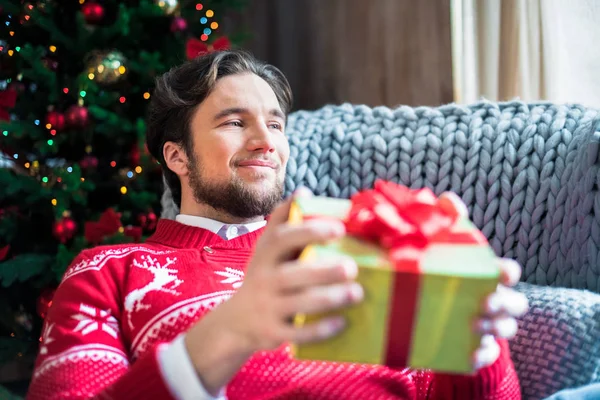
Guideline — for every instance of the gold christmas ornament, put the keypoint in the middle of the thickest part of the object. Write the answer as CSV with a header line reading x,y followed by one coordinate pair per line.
x,y
168,6
106,67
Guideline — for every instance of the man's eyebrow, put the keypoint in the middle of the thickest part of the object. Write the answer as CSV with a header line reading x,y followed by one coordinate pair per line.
x,y
237,110
277,113
229,111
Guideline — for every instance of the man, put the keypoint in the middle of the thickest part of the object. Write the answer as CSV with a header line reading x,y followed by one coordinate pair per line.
x,y
171,318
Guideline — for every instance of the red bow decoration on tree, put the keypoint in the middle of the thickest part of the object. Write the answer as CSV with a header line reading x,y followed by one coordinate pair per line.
x,y
134,232
8,99
195,47
400,219
108,224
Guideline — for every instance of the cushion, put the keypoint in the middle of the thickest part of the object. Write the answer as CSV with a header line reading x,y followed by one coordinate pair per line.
x,y
558,343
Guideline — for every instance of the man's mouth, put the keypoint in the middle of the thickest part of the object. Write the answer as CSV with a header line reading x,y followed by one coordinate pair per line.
x,y
258,163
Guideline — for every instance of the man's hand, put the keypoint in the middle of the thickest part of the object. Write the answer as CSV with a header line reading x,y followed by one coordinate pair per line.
x,y
500,309
499,313
276,287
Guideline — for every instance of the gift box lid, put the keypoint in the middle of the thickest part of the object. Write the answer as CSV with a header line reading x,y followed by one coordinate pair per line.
x,y
450,256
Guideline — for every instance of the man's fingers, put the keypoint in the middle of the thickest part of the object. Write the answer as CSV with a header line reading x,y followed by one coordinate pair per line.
x,y
322,299
487,353
317,331
510,272
504,327
286,240
296,275
281,213
505,301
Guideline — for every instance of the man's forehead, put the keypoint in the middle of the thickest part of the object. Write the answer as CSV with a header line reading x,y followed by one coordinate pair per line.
x,y
247,92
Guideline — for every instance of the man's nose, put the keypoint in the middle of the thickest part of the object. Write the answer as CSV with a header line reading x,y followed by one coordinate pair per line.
x,y
261,140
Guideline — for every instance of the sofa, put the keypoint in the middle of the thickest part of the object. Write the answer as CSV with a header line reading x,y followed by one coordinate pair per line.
x,y
530,176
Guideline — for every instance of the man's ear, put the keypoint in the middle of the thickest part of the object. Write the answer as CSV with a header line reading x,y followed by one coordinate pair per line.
x,y
176,158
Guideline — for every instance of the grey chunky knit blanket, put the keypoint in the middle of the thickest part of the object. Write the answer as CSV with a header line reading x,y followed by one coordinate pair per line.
x,y
530,176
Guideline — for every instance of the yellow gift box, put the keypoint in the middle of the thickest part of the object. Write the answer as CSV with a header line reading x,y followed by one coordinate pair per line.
x,y
425,271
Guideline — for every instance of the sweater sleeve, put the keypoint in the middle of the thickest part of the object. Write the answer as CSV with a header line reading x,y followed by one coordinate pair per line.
x,y
82,352
498,381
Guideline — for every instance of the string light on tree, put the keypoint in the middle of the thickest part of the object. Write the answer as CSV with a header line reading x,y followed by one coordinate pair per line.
x,y
178,24
168,6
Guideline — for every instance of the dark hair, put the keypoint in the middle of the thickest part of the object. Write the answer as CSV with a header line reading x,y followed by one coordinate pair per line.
x,y
179,91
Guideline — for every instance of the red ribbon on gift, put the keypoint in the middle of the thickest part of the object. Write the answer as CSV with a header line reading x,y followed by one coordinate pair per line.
x,y
405,222
397,217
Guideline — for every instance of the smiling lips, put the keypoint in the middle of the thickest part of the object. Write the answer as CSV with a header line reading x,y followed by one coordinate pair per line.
x,y
258,163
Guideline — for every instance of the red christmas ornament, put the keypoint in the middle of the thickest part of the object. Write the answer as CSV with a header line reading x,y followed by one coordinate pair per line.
x,y
77,116
8,99
88,162
4,252
178,24
44,302
148,221
18,87
64,229
136,154
92,12
56,119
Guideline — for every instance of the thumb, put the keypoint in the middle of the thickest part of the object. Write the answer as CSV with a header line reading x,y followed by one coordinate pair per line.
x,y
281,213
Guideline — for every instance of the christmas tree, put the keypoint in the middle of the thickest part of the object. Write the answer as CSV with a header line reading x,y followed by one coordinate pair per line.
x,y
75,81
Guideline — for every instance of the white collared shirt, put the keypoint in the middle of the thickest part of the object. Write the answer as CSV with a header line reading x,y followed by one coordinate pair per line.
x,y
215,226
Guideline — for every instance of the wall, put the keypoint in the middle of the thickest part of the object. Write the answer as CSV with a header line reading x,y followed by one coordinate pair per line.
x,y
376,52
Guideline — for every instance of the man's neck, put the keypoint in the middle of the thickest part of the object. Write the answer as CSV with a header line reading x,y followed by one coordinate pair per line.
x,y
206,211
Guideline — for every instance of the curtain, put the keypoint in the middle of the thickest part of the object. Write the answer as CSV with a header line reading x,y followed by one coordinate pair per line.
x,y
526,49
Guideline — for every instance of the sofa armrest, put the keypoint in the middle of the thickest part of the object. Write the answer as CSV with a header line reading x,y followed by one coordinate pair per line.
x,y
558,343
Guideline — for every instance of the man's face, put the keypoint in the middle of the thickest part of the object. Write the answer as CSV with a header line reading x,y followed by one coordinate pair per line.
x,y
239,148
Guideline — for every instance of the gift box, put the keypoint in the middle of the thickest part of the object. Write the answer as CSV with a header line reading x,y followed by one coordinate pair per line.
x,y
425,270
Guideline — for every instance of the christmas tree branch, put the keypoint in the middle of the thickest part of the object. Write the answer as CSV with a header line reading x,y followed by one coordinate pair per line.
x,y
55,34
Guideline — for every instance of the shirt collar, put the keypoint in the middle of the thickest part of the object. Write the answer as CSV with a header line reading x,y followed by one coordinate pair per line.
x,y
213,225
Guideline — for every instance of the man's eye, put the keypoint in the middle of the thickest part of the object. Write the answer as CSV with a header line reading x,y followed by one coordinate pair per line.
x,y
234,123
276,126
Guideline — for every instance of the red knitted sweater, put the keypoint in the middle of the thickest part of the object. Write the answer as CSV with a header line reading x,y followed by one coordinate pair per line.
x,y
117,304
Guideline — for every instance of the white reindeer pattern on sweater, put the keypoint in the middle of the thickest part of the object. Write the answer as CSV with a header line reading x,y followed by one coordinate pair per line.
x,y
165,280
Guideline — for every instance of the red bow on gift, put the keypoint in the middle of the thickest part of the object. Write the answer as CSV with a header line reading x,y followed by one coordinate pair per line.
x,y
108,224
398,218
8,99
195,47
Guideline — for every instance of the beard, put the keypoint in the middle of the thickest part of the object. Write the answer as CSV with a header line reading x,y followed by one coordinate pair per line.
x,y
234,197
